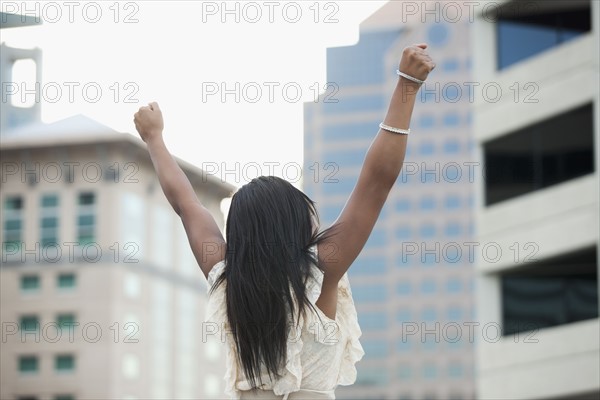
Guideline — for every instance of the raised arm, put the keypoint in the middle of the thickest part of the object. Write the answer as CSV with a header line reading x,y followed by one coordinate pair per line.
x,y
204,236
380,170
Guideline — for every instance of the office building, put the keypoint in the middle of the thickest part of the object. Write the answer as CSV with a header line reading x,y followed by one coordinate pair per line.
x,y
101,297
412,283
537,199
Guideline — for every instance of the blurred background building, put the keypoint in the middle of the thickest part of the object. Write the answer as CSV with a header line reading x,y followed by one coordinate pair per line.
x,y
411,271
521,127
538,200
12,115
100,295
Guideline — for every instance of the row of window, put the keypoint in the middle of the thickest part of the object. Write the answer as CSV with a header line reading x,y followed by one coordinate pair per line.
x,y
452,229
446,255
13,215
32,282
453,370
31,322
30,364
55,397
450,202
355,157
379,320
428,286
430,230
365,103
383,376
452,285
428,202
450,146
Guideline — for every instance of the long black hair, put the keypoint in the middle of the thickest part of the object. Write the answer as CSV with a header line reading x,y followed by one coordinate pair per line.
x,y
270,228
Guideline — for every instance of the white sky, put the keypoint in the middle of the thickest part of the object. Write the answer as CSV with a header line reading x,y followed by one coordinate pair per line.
x,y
170,51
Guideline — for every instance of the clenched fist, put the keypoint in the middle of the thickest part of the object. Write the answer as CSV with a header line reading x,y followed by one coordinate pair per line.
x,y
149,121
416,62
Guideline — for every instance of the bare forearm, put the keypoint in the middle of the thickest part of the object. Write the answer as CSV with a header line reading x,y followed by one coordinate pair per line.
x,y
173,181
385,157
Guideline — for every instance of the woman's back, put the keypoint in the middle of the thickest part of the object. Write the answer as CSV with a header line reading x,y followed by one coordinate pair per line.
x,y
321,352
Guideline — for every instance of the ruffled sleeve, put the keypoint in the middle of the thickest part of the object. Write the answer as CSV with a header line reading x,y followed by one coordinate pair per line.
x,y
216,313
353,351
347,320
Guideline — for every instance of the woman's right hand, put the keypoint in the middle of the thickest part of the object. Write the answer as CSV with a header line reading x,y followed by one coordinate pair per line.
x,y
149,122
416,62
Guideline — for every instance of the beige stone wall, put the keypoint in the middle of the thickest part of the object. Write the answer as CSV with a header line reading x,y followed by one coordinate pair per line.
x,y
159,290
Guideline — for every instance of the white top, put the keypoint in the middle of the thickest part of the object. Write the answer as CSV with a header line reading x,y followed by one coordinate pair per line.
x,y
320,353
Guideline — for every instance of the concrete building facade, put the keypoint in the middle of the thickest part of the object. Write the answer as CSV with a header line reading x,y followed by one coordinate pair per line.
x,y
100,294
537,199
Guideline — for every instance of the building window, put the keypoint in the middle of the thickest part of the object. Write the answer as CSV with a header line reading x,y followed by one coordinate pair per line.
x,y
403,205
404,316
453,229
454,285
373,320
404,372
551,292
451,146
49,219
452,202
66,280
30,283
64,397
454,313
426,148
455,370
427,230
429,342
539,155
403,232
429,371
28,364
404,288
426,122
30,323
428,286
404,344
428,314
13,222
65,321
427,203
86,218
370,293
64,363
372,376
523,32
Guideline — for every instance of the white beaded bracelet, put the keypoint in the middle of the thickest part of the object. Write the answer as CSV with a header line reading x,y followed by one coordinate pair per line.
x,y
394,130
410,78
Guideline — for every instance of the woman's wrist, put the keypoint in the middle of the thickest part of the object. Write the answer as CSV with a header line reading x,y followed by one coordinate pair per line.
x,y
407,87
155,138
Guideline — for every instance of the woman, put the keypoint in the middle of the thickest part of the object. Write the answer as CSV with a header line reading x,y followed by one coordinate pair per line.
x,y
276,284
